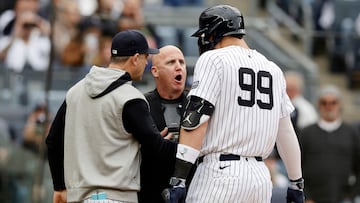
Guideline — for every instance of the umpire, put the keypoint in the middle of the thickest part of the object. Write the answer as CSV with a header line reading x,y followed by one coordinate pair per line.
x,y
94,141
167,102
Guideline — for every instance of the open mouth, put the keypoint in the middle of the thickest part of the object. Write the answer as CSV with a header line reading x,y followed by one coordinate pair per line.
x,y
178,77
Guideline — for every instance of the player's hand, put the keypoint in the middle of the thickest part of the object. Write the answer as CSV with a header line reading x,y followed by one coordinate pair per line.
x,y
295,192
176,192
295,196
59,196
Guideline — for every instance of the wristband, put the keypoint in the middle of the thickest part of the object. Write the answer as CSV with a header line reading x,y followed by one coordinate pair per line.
x,y
187,153
297,184
182,169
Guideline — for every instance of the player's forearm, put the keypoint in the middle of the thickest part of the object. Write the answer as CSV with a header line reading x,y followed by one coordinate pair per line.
x,y
188,150
193,138
144,130
289,149
291,157
55,146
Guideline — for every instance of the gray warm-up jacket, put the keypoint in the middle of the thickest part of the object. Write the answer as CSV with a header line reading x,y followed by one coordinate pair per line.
x,y
98,132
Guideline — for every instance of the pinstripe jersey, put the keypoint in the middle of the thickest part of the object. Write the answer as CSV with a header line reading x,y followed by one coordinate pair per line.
x,y
248,92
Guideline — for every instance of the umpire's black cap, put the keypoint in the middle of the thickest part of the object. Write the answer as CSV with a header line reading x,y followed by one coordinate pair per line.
x,y
130,42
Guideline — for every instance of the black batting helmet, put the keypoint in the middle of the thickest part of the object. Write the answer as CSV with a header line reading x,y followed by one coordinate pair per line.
x,y
217,22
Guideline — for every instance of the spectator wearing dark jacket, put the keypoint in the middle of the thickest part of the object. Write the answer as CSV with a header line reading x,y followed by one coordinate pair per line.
x,y
330,153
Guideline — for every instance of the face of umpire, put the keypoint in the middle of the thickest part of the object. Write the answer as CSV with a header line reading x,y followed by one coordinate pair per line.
x,y
169,71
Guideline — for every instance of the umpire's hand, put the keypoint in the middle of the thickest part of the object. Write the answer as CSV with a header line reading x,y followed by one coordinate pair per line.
x,y
176,192
295,192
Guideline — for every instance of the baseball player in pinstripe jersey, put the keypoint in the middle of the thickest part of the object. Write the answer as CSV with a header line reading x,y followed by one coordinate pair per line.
x,y
237,110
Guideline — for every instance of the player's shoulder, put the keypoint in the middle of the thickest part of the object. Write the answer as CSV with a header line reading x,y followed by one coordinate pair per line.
x,y
216,55
265,62
210,54
271,64
261,56
208,57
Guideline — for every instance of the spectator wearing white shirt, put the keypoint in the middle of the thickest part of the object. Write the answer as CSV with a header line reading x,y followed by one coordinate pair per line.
x,y
24,38
305,111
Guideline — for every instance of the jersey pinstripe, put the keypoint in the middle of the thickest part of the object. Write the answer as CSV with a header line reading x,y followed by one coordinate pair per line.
x,y
244,181
248,92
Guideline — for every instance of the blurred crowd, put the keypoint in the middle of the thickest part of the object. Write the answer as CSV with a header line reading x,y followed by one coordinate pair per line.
x,y
77,38
60,35
326,139
333,27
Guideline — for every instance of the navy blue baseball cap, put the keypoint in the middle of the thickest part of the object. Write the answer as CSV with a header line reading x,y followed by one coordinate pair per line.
x,y
130,42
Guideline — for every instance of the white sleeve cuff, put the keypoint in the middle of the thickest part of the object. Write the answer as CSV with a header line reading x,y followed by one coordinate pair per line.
x,y
187,153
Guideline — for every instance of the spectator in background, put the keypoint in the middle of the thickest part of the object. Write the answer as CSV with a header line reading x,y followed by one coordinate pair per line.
x,y
5,130
123,16
304,113
74,52
132,18
170,34
319,8
66,27
24,44
8,16
114,17
37,125
330,153
5,151
131,15
79,52
102,57
166,108
109,12
91,30
24,38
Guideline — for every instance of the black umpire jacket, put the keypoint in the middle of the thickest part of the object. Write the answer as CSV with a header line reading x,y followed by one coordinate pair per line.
x,y
156,171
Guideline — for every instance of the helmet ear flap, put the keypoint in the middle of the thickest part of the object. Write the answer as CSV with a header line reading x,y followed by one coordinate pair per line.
x,y
204,43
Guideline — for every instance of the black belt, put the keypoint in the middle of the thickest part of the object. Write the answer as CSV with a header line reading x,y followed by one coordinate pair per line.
x,y
229,157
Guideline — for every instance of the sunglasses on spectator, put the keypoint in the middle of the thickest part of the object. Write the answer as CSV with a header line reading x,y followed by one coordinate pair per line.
x,y
328,102
29,25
